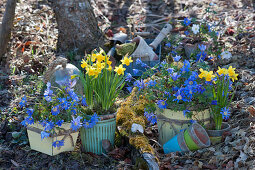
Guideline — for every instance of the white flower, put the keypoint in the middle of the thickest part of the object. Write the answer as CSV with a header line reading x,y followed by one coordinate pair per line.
x,y
226,55
195,28
136,127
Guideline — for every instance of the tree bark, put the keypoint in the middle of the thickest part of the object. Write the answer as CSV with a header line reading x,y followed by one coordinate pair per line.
x,y
6,28
77,25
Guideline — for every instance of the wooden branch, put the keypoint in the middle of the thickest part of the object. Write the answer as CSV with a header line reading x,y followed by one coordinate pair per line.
x,y
6,28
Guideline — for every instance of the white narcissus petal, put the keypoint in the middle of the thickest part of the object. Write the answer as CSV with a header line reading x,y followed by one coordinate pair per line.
x,y
136,127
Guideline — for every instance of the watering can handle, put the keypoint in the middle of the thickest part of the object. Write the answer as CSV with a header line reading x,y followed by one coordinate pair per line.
x,y
163,33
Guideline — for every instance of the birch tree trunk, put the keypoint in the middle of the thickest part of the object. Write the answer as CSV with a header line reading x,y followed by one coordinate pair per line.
x,y
77,25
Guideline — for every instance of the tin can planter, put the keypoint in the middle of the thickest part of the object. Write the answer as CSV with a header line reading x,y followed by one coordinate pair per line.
x,y
92,138
177,143
45,145
196,137
170,122
216,135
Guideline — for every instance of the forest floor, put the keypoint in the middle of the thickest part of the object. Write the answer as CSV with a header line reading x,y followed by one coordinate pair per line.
x,y
32,48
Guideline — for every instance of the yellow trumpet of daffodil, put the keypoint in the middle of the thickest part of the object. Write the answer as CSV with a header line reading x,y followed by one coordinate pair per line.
x,y
202,74
109,68
126,60
100,57
84,63
221,71
120,70
90,71
209,76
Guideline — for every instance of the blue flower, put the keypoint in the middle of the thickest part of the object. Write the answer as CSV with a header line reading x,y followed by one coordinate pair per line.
x,y
209,27
94,119
186,33
185,111
138,61
194,75
74,111
128,77
44,135
129,89
189,91
162,104
135,71
202,47
185,67
164,62
214,102
28,121
177,58
179,96
201,56
140,84
186,63
48,98
43,123
49,126
152,83
55,110
59,122
174,52
84,102
200,88
48,93
87,124
168,44
170,70
73,95
144,65
186,21
175,88
193,121
175,76
190,81
225,113
76,123
58,143
23,102
30,112
167,94
152,118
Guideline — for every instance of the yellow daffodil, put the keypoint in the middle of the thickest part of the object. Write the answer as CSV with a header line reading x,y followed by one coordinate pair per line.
x,y
84,63
202,73
209,76
234,77
91,71
231,71
221,71
100,57
120,70
126,60
109,62
93,57
109,68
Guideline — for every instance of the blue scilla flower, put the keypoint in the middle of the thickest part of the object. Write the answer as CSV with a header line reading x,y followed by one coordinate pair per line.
x,y
129,89
87,124
55,110
30,111
179,96
185,112
202,47
201,56
138,61
136,71
175,76
162,104
27,121
58,143
49,126
152,83
44,135
59,123
84,101
225,113
76,123
177,58
168,44
140,84
170,70
23,102
186,33
128,77
186,21
214,102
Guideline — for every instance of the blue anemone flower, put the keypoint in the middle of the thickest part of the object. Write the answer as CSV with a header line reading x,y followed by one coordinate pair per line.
x,y
175,76
209,27
129,89
44,135
200,88
23,102
152,118
84,101
30,111
135,71
186,33
214,102
225,113
201,56
152,83
179,96
162,104
28,121
87,124
168,44
94,119
190,81
49,126
186,21
59,123
202,47
167,94
140,84
185,112
177,58
55,110
76,123
170,70
58,143
138,61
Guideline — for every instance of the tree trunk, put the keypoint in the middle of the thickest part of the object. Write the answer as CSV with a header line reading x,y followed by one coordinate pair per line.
x,y
77,25
6,28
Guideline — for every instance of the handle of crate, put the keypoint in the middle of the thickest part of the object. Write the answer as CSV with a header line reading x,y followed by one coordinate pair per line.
x,y
163,33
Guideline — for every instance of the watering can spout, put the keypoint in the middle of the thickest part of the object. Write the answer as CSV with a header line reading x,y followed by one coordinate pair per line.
x,y
163,33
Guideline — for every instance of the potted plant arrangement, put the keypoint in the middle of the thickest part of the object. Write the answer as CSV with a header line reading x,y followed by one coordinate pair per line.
x,y
177,95
102,84
220,101
53,122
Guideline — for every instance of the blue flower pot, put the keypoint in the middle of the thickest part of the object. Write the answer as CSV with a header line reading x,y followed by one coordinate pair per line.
x,y
177,143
